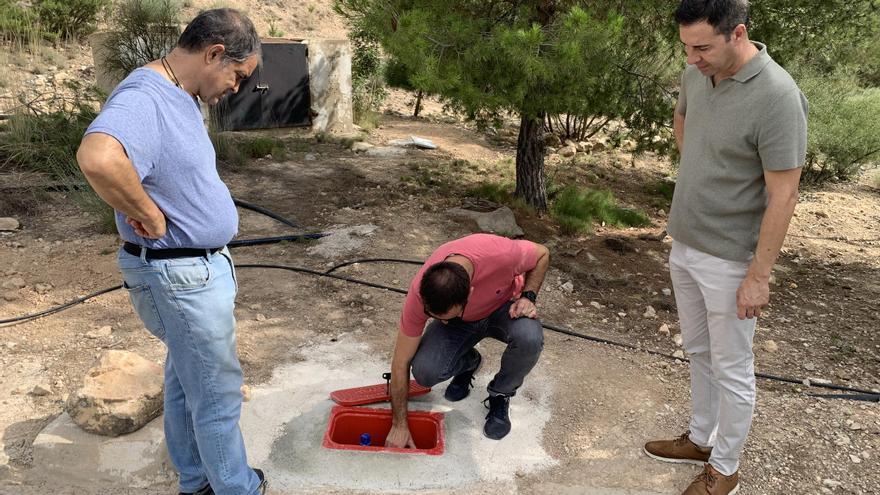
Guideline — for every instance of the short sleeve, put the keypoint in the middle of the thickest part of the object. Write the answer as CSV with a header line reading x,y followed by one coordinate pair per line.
x,y
130,117
681,106
413,317
526,256
782,135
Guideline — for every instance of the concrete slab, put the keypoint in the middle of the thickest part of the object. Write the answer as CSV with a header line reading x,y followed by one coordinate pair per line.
x,y
65,452
285,421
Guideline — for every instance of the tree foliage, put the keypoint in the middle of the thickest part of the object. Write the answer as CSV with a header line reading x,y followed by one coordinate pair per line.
x,y
143,31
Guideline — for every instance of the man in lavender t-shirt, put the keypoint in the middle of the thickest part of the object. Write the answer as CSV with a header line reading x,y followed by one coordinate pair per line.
x,y
149,156
475,287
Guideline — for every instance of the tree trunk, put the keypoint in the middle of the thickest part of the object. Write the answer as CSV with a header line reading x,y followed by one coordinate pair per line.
x,y
418,104
530,163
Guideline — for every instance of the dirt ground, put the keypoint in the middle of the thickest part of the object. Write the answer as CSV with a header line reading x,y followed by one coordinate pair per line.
x,y
823,317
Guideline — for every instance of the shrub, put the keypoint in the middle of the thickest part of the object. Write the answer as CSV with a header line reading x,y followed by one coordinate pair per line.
x,y
18,24
69,19
258,147
576,209
46,142
495,192
844,127
145,30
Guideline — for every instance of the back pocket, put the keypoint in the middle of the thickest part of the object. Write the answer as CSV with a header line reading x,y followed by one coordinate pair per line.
x,y
145,307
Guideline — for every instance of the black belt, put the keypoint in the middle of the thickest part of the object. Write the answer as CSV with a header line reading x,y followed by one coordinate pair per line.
x,y
164,254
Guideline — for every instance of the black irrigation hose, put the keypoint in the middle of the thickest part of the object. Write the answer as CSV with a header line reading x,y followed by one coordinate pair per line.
x,y
274,240
860,394
59,308
373,260
264,211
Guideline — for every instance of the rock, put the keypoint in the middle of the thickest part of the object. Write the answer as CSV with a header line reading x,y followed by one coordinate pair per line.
x,y
500,221
596,305
664,330
810,367
552,140
104,331
14,283
650,312
11,345
568,151
591,258
119,395
41,390
245,393
8,223
666,291
255,307
679,354
367,322
583,146
770,346
855,459
567,287
260,317
10,296
385,151
831,483
310,157
677,339
855,427
43,288
361,146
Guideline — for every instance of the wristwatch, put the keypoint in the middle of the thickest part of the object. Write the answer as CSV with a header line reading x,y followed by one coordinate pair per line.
x,y
530,295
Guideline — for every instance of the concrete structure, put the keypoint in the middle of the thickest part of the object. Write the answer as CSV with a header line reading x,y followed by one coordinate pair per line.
x,y
65,453
330,85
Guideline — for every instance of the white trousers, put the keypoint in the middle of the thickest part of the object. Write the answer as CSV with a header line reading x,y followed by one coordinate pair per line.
x,y
719,346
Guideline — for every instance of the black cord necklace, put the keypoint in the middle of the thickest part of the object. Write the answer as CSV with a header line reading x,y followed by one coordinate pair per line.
x,y
167,66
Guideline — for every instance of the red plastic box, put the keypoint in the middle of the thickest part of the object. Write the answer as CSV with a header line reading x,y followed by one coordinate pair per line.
x,y
347,424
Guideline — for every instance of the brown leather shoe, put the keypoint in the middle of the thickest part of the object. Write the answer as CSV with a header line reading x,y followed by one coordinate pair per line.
x,y
711,482
679,450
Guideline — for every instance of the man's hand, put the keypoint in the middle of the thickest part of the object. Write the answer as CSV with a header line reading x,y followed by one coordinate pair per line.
x,y
154,229
752,295
400,437
523,307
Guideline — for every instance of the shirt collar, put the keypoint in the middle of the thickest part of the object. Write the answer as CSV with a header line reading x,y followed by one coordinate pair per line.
x,y
754,66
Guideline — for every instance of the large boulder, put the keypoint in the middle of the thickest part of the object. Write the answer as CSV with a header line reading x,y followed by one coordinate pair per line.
x,y
498,221
122,393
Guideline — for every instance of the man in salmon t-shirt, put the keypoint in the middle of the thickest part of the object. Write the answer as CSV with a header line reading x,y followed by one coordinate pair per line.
x,y
475,287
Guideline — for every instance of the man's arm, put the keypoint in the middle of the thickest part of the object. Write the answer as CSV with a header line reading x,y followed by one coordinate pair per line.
x,y
111,174
782,194
678,130
404,351
534,278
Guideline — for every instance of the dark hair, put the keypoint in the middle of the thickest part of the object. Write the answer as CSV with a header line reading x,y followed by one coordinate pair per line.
x,y
723,15
227,27
443,286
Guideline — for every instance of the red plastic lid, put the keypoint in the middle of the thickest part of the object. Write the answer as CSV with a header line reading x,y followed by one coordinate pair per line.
x,y
372,394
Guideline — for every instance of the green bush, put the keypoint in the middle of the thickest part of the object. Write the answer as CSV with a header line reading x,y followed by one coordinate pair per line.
x,y
844,127
70,19
144,30
227,150
46,143
576,209
18,24
495,192
258,147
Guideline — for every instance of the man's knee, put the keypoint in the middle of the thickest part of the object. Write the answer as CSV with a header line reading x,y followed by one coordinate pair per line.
x,y
425,371
528,335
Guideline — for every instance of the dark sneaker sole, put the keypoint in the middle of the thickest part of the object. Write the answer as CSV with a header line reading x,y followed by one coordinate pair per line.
x,y
695,462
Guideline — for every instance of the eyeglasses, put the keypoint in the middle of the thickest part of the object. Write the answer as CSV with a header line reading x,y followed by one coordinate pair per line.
x,y
454,319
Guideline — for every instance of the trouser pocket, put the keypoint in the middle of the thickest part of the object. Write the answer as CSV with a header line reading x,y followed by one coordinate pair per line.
x,y
145,306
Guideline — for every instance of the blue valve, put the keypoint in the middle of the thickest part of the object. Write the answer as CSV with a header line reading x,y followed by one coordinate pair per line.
x,y
365,439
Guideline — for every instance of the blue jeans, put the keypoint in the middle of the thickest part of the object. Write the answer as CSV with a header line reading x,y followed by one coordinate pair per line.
x,y
444,349
188,304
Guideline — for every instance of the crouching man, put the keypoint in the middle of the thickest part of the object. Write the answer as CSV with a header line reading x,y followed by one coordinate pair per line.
x,y
475,287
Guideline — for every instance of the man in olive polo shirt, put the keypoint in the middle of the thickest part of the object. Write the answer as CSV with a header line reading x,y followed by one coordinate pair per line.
x,y
741,129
